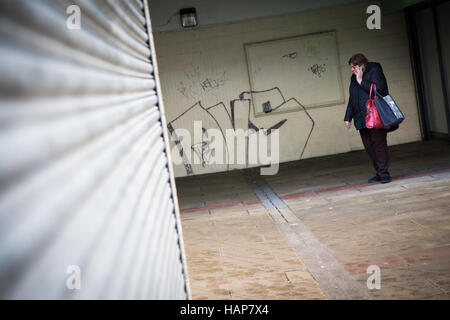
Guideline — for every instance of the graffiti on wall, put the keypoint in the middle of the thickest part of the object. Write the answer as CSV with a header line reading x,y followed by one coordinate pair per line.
x,y
235,115
291,55
194,84
318,69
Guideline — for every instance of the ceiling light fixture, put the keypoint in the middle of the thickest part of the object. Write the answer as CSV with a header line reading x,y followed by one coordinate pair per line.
x,y
188,17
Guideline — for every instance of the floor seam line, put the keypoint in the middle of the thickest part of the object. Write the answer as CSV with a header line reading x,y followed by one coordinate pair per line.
x,y
331,280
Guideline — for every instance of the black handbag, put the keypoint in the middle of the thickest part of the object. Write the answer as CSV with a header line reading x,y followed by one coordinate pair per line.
x,y
389,112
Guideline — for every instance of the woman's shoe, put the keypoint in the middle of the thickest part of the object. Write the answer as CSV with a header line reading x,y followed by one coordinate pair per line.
x,y
385,180
374,179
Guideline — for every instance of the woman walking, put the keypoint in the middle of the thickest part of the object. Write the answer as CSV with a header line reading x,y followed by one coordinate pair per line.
x,y
364,73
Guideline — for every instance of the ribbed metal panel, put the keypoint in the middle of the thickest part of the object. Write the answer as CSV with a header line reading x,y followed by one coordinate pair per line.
x,y
84,174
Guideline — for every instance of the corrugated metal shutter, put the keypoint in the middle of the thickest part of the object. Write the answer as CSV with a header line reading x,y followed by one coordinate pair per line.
x,y
84,175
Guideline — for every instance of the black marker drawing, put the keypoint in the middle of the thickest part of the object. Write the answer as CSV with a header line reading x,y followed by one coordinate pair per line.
x,y
192,72
268,131
188,90
282,102
194,84
202,149
267,107
208,117
209,84
275,126
291,55
252,126
318,69
186,162
210,114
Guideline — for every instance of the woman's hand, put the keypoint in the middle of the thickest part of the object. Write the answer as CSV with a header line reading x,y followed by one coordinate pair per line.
x,y
359,74
348,124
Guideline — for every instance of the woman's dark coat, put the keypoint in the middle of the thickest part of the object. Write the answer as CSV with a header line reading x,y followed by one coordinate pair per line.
x,y
359,94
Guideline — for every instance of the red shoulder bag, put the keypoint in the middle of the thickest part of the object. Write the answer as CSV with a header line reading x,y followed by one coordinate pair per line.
x,y
373,120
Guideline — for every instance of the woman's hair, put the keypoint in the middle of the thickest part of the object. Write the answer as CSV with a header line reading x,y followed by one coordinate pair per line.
x,y
358,59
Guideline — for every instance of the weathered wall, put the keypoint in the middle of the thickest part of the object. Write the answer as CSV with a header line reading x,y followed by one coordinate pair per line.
x,y
209,66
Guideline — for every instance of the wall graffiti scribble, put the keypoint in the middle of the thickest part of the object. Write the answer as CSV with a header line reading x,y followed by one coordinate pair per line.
x,y
209,83
318,69
222,118
187,90
291,55
202,149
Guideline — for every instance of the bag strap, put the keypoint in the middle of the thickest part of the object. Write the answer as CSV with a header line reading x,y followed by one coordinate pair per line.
x,y
375,91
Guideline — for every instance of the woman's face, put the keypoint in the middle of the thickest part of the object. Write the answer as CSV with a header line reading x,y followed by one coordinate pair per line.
x,y
354,68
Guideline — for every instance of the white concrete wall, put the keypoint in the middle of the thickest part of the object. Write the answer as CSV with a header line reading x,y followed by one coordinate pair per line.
x,y
187,59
